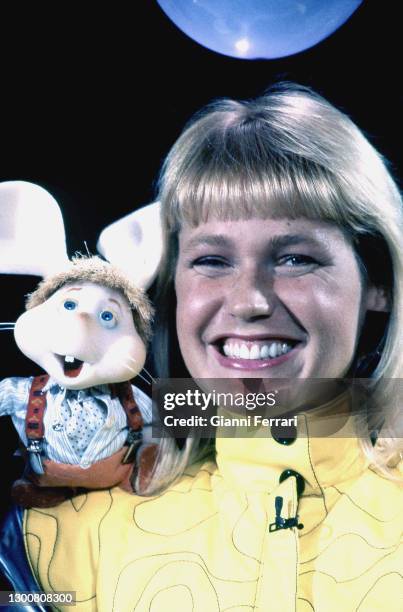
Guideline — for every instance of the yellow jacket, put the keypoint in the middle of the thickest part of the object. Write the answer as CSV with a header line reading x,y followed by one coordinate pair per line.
x,y
205,545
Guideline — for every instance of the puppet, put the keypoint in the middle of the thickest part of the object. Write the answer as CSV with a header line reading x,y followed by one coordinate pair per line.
x,y
87,325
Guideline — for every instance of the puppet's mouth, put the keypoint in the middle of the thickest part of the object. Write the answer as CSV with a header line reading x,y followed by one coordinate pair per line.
x,y
72,366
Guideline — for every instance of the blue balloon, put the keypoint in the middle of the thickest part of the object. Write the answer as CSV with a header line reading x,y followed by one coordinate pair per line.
x,y
252,29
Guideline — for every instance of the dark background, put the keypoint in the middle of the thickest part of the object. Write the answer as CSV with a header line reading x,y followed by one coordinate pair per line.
x,y
93,97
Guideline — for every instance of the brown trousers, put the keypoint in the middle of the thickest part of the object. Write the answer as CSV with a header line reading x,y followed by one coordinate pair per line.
x,y
63,481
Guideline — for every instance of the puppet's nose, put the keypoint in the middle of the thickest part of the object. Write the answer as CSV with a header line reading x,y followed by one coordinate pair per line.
x,y
83,315
86,327
79,331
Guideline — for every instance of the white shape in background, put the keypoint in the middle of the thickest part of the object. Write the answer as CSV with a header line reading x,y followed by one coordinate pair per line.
x,y
32,236
134,244
242,46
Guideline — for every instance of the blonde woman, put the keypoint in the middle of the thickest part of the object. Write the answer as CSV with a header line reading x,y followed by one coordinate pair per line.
x,y
283,236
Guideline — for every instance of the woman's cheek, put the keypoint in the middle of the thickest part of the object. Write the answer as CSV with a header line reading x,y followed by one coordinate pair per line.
x,y
193,309
333,328
194,292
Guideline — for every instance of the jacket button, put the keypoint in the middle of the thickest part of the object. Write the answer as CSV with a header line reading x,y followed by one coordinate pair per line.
x,y
284,435
300,481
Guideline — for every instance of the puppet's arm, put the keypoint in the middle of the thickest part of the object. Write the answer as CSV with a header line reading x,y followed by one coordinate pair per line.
x,y
14,394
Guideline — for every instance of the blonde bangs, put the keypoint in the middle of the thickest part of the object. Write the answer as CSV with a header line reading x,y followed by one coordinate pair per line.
x,y
295,189
240,160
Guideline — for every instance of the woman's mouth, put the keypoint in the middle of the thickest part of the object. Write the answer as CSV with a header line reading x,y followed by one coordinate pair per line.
x,y
253,354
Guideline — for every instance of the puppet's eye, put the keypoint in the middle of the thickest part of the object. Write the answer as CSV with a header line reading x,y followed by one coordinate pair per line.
x,y
70,305
108,319
106,315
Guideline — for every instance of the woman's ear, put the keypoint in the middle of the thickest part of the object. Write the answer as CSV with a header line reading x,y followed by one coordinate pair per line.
x,y
377,299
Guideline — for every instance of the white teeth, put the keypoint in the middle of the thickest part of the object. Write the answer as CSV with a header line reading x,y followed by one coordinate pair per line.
x,y
273,350
264,352
227,351
256,351
69,359
244,352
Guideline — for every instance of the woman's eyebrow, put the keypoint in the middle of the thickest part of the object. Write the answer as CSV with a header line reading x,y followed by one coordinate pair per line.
x,y
277,241
285,240
209,240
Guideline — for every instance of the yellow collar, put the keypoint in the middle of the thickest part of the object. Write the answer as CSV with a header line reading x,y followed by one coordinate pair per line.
x,y
325,452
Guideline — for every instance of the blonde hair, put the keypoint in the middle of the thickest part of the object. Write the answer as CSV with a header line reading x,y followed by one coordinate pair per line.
x,y
288,153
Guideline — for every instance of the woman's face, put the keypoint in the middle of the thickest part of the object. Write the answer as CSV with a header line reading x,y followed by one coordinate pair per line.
x,y
269,298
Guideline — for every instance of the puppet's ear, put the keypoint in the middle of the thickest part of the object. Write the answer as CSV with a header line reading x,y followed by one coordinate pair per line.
x,y
134,244
32,238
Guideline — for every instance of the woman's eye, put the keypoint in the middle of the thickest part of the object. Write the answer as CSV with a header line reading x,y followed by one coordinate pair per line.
x,y
210,261
211,264
297,263
70,304
107,318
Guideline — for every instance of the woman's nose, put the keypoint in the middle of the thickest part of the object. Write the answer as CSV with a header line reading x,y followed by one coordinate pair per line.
x,y
251,297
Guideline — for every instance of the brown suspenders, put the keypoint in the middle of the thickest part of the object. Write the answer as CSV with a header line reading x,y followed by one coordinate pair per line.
x,y
35,431
34,428
124,392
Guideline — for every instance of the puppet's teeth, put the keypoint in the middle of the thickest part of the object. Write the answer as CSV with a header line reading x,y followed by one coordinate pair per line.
x,y
69,359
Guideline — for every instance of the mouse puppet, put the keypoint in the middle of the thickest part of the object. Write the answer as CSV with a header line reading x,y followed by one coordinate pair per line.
x,y
81,422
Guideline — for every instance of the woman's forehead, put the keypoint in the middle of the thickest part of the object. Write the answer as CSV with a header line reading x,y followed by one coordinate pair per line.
x,y
284,229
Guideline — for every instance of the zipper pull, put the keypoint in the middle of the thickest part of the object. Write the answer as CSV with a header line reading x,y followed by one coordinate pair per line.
x,y
280,522
133,441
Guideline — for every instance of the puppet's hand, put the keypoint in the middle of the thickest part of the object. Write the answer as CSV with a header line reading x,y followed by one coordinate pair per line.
x,y
103,474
